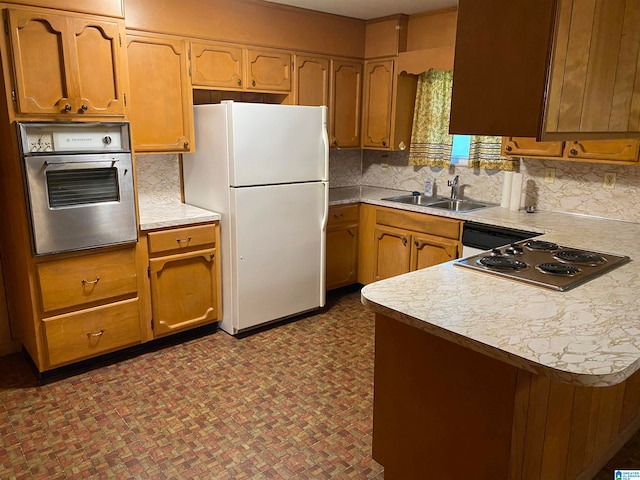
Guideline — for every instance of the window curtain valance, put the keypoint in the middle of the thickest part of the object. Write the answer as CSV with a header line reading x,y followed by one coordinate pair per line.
x,y
431,142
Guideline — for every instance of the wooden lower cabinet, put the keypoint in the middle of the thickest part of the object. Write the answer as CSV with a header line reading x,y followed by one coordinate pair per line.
x,y
405,241
89,306
91,332
184,275
342,246
441,410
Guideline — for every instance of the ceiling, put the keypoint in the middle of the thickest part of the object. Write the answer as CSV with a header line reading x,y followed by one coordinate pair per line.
x,y
368,9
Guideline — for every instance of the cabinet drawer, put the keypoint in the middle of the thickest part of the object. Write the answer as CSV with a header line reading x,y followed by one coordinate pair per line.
x,y
419,222
94,331
82,280
181,238
343,213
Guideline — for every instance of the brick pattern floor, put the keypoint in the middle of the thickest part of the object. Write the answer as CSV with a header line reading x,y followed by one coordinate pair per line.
x,y
291,402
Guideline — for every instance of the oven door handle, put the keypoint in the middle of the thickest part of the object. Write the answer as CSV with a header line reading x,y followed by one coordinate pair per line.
x,y
65,162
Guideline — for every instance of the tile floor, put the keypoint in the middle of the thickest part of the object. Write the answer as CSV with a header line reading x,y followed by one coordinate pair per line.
x,y
291,402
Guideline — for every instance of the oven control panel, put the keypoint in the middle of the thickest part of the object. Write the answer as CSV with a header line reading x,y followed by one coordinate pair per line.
x,y
50,138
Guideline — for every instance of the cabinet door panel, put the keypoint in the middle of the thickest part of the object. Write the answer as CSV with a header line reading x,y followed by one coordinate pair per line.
x,y
427,251
98,49
621,150
312,81
161,100
183,291
216,65
346,81
524,146
342,256
43,84
391,252
269,71
377,104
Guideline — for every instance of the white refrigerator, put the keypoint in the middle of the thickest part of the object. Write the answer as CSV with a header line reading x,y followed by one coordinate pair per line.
x,y
264,168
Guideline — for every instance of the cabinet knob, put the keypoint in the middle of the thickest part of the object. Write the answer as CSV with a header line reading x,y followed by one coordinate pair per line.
x,y
84,108
239,82
404,240
573,151
186,145
253,83
508,148
416,243
384,143
67,107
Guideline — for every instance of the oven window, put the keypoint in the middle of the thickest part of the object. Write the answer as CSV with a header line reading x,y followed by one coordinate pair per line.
x,y
82,186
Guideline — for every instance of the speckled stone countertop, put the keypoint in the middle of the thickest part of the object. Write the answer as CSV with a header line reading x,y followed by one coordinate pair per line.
x,y
589,335
175,214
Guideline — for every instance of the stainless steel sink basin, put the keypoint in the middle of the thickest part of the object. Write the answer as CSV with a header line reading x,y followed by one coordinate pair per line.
x,y
457,205
437,202
422,200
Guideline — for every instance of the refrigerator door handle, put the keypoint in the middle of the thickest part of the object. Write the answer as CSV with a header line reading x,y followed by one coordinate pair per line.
x,y
323,249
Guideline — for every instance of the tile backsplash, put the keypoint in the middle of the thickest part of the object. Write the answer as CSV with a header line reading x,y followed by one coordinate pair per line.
x,y
578,187
158,178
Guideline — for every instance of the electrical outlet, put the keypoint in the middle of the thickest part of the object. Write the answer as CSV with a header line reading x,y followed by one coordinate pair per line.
x,y
609,180
549,175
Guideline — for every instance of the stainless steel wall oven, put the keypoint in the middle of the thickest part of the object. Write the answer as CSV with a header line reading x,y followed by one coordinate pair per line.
x,y
80,187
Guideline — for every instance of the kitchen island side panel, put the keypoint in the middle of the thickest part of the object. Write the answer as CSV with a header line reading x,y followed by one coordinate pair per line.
x,y
444,411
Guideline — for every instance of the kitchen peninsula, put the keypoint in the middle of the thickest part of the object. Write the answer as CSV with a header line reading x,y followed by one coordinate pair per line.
x,y
480,377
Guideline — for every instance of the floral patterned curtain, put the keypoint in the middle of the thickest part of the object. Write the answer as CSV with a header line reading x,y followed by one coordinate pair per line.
x,y
430,139
484,153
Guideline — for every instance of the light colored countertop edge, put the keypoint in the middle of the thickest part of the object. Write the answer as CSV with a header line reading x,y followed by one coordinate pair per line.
x,y
587,336
166,215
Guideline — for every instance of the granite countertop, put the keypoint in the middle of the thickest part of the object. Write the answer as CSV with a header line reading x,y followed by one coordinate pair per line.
x,y
174,214
589,335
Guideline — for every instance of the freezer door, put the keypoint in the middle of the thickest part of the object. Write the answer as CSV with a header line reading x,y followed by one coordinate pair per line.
x,y
272,144
277,264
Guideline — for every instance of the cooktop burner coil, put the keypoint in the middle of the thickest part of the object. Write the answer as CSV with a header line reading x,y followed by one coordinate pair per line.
x,y
503,263
541,245
580,257
558,268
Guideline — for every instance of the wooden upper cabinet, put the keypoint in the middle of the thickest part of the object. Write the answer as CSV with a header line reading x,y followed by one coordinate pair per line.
x,y
346,97
311,81
387,110
529,147
376,115
613,151
269,70
161,103
216,65
66,64
385,37
598,151
549,69
223,66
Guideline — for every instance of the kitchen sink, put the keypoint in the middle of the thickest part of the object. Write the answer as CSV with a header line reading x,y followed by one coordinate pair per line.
x,y
422,200
445,204
457,205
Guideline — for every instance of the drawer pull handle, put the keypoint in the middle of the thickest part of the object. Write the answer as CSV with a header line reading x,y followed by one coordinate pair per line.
x,y
87,282
181,241
95,334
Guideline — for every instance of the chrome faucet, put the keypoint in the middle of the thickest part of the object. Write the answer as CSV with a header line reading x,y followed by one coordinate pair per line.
x,y
455,186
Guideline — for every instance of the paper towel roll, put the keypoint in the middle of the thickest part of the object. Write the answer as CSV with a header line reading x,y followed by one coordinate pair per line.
x,y
516,192
506,190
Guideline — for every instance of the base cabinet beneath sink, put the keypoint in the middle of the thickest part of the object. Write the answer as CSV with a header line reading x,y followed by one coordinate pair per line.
x,y
396,241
